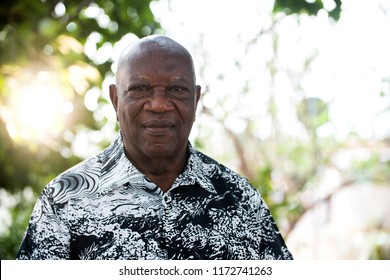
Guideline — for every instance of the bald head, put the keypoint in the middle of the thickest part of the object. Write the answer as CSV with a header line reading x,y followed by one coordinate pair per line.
x,y
153,45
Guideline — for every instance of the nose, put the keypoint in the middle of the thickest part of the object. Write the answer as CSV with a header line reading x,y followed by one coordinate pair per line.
x,y
159,101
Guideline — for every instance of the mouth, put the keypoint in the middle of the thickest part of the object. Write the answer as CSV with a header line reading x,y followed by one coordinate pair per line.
x,y
158,127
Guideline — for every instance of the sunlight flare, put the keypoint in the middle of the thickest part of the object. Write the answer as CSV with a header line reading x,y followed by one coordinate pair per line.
x,y
37,109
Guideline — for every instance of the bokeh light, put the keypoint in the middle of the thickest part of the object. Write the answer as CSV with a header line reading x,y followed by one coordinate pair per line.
x,y
37,107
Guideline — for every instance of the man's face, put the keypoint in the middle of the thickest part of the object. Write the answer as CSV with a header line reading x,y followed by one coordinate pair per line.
x,y
155,102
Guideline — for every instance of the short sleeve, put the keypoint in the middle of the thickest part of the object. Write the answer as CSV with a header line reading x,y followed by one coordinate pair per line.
x,y
47,236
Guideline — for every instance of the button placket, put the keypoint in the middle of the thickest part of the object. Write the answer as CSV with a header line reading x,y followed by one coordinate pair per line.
x,y
169,224
167,199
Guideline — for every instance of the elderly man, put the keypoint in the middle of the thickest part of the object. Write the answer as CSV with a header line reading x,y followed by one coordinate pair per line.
x,y
150,194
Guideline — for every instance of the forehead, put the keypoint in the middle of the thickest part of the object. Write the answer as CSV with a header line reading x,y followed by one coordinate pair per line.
x,y
157,61
158,55
150,54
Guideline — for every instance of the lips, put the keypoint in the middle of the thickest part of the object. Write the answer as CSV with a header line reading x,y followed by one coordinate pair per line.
x,y
158,127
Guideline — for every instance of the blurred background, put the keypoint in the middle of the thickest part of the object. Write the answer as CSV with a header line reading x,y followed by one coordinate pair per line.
x,y
296,97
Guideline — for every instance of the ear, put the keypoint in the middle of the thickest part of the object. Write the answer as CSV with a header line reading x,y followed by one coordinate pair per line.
x,y
197,94
114,98
197,98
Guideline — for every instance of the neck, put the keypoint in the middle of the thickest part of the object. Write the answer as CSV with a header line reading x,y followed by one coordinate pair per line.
x,y
161,171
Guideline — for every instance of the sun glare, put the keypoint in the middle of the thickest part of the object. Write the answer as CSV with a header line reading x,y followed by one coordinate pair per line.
x,y
36,110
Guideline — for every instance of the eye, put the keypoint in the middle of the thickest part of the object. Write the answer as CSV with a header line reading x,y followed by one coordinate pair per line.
x,y
138,91
140,88
177,89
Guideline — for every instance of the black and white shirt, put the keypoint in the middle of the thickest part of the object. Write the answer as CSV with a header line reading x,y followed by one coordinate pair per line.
x,y
104,208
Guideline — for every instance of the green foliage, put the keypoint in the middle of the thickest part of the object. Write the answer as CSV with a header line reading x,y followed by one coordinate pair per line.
x,y
306,7
372,169
19,212
50,35
312,113
381,247
263,182
28,27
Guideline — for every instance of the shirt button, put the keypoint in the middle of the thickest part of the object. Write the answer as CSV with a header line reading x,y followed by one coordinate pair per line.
x,y
167,199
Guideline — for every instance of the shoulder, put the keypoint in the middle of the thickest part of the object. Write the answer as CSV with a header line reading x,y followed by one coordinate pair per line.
x,y
224,177
85,177
74,181
217,169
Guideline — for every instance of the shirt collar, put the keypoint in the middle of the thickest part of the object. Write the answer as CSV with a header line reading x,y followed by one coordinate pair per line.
x,y
194,172
117,169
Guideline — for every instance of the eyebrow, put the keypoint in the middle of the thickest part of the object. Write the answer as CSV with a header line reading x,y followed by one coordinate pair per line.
x,y
137,77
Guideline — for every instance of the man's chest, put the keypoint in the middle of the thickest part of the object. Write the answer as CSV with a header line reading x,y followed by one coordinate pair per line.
x,y
138,225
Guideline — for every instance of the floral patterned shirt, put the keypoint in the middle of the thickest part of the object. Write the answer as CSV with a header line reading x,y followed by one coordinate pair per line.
x,y
104,208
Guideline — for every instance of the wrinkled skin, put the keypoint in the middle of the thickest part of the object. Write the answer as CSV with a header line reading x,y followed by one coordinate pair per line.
x,y
155,99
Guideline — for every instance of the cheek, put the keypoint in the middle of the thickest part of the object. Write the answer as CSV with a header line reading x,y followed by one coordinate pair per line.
x,y
189,115
128,111
188,122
